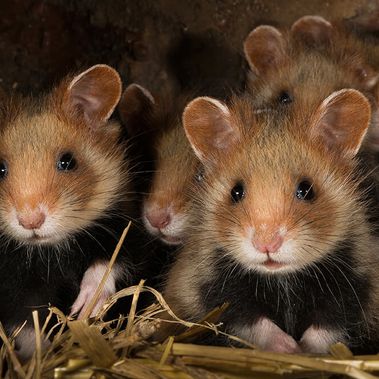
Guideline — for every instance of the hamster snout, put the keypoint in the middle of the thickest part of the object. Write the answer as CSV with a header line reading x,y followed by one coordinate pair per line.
x,y
163,222
31,218
165,219
268,244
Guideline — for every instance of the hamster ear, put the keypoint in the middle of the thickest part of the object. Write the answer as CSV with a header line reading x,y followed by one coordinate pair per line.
x,y
342,121
135,105
208,128
312,30
93,95
264,49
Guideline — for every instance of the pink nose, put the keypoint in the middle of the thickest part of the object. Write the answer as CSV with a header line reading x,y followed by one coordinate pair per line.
x,y
268,247
31,220
158,218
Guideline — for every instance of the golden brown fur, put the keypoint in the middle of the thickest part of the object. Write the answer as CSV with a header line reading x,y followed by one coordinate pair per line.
x,y
174,164
34,133
175,171
312,65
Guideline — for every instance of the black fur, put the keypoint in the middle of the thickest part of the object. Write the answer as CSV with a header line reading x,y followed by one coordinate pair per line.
x,y
331,294
33,278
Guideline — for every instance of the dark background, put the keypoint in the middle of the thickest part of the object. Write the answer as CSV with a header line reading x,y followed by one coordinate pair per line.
x,y
147,41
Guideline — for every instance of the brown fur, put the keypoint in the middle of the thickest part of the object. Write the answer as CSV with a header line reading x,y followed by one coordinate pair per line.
x,y
356,54
318,58
175,166
175,170
34,133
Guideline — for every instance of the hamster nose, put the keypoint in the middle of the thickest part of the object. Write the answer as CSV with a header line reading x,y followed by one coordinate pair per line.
x,y
158,218
272,246
31,220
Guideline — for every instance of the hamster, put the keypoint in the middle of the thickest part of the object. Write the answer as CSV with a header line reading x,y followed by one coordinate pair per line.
x,y
175,167
279,230
64,188
302,66
352,50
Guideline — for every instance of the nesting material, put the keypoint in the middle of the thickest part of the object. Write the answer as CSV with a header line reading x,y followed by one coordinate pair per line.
x,y
123,348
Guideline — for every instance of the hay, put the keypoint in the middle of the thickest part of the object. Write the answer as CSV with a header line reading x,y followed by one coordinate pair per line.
x,y
93,348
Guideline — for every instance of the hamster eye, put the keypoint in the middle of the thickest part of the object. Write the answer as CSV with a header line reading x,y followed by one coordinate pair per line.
x,y
66,162
199,175
305,191
237,192
285,98
3,169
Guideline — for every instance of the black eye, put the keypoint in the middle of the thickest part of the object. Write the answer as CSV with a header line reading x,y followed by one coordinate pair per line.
x,y
66,162
3,169
305,191
199,175
285,98
237,192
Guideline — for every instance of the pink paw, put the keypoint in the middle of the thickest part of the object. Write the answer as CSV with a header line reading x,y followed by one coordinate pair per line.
x,y
88,287
283,343
269,337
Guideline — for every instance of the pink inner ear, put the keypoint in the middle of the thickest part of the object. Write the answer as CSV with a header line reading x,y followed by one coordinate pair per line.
x,y
93,95
224,135
342,121
89,106
208,128
331,136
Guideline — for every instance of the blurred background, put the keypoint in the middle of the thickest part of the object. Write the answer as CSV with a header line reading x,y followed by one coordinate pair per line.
x,y
148,41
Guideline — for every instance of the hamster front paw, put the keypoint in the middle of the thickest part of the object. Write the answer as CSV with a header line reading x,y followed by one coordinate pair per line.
x,y
90,282
269,337
283,343
317,340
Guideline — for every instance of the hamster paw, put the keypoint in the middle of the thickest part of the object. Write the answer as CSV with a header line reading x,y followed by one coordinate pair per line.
x,y
269,337
283,343
26,342
90,282
317,340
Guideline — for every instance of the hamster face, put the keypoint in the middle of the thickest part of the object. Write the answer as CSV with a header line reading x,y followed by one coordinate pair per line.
x,y
177,171
311,60
278,191
273,208
303,81
61,166
57,177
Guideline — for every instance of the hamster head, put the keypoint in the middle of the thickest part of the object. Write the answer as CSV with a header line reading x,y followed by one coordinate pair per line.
x,y
167,205
277,199
176,168
287,68
61,166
